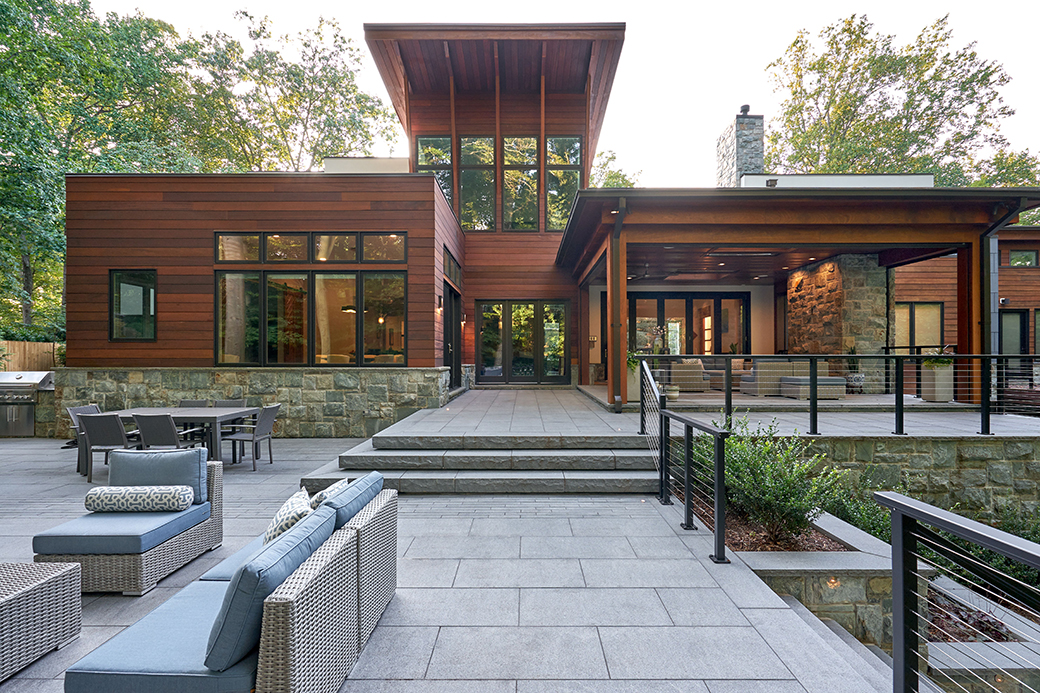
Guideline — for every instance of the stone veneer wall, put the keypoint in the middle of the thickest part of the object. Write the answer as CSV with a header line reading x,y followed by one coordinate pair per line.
x,y
975,474
739,150
316,402
842,303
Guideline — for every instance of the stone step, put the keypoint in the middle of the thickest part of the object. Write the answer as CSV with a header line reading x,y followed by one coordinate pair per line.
x,y
367,456
388,440
848,649
495,481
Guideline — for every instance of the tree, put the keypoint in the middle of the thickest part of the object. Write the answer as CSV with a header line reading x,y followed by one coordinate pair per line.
x,y
262,111
867,105
606,173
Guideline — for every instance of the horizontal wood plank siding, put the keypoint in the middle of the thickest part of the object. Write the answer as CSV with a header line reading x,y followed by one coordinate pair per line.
x,y
168,223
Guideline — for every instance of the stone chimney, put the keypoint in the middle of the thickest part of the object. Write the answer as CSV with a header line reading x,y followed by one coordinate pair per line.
x,y
740,149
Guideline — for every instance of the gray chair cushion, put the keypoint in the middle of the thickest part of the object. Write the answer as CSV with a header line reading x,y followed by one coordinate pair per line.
x,y
236,630
164,652
160,468
350,500
115,533
225,570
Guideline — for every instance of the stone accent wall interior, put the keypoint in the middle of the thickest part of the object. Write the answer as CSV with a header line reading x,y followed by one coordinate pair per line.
x,y
316,402
740,149
839,304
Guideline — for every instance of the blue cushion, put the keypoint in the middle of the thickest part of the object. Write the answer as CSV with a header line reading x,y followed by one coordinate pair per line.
x,y
164,652
113,533
225,570
236,630
350,500
160,468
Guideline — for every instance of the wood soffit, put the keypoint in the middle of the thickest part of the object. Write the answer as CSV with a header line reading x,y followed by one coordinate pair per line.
x,y
420,59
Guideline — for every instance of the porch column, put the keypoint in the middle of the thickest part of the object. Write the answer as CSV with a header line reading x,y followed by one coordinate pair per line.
x,y
617,291
969,324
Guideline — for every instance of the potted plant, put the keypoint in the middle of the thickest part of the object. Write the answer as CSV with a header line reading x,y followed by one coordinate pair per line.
x,y
633,377
853,378
937,376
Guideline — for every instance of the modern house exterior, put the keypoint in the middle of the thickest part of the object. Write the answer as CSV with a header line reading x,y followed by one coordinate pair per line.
x,y
359,297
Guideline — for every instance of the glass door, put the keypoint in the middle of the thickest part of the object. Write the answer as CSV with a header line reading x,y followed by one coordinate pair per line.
x,y
523,342
492,354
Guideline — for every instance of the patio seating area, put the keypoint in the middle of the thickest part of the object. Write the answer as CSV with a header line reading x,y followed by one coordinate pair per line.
x,y
495,593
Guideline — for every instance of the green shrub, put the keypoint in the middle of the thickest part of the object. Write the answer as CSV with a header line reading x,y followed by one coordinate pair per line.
x,y
769,479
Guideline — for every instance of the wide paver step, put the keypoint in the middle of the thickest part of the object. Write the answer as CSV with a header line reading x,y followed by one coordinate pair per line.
x,y
367,456
508,441
497,481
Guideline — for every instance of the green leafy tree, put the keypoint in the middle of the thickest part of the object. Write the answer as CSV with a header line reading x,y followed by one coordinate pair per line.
x,y
864,104
261,111
607,174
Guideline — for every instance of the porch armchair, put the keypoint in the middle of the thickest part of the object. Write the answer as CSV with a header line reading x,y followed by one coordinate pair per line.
x,y
764,379
716,371
689,375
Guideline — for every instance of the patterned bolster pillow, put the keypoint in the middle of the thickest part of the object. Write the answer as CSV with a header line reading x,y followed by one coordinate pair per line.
x,y
139,499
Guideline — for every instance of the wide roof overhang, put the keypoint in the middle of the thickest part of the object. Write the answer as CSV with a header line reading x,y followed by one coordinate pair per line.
x,y
747,236
423,59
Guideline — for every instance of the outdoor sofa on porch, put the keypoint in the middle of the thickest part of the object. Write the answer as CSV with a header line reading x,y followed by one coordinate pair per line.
x,y
790,378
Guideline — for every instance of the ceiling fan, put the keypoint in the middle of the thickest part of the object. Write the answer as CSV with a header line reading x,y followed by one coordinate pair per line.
x,y
646,276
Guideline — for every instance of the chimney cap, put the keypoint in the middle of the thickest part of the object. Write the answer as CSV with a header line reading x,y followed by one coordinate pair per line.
x,y
745,109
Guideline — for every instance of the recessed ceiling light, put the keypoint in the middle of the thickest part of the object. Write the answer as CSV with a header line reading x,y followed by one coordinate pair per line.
x,y
812,258
783,268
722,264
668,247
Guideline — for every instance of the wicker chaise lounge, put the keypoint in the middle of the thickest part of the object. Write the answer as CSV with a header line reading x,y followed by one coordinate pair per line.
x,y
137,572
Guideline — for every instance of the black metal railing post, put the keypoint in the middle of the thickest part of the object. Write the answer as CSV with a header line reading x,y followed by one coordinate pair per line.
x,y
642,401
728,389
814,422
905,641
687,522
899,396
665,497
984,392
720,500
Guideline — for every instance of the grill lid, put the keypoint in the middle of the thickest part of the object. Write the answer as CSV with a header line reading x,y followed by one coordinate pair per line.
x,y
30,380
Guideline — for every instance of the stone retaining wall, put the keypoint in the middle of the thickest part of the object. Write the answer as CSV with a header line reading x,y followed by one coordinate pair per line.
x,y
974,475
316,402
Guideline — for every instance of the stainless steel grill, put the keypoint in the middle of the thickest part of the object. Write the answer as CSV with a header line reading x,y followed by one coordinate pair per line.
x,y
19,393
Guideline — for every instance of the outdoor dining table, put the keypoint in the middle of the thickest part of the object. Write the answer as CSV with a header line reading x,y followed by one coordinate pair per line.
x,y
209,417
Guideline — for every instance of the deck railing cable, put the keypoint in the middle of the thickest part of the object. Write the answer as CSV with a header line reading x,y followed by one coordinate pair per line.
x,y
966,606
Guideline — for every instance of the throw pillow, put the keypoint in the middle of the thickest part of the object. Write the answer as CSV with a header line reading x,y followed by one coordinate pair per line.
x,y
692,361
160,468
139,499
320,497
292,511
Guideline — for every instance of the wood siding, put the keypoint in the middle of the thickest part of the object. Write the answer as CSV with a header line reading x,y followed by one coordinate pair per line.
x,y
168,223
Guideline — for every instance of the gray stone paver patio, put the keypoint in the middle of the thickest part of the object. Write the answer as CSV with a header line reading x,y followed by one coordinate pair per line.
x,y
518,594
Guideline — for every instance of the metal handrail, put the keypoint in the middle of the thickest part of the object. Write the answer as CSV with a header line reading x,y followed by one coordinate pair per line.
x,y
914,521
719,436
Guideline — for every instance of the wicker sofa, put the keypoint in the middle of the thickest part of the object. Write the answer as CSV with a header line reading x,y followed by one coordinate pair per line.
x,y
313,625
130,552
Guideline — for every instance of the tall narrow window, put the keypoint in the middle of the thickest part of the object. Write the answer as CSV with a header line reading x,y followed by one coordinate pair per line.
x,y
238,317
132,305
562,179
384,317
477,184
286,319
335,318
434,156
520,184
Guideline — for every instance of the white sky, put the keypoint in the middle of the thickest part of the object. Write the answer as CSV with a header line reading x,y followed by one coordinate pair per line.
x,y
664,122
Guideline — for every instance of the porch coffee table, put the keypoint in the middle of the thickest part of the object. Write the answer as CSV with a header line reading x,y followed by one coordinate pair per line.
x,y
40,611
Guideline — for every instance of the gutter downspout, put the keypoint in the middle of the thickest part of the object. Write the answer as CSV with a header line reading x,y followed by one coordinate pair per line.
x,y
615,313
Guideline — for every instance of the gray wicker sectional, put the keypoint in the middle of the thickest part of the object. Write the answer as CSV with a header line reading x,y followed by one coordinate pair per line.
x,y
40,611
313,625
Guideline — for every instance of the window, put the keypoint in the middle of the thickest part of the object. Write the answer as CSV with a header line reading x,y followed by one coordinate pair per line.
x,y
520,184
132,305
285,247
562,179
452,270
382,247
338,248
303,318
919,327
477,184
433,155
1022,258
238,247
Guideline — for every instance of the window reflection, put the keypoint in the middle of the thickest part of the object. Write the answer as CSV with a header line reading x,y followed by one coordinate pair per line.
x,y
434,156
238,248
477,183
562,179
238,317
286,318
286,247
379,247
338,248
133,305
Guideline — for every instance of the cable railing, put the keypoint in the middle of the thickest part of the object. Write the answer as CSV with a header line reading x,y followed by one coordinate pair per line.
x,y
966,606
900,383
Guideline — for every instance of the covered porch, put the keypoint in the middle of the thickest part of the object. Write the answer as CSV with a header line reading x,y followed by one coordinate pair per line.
x,y
769,271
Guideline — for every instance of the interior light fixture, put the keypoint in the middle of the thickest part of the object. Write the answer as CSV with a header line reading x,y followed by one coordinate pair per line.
x,y
321,259
784,268
349,309
812,258
722,264
381,321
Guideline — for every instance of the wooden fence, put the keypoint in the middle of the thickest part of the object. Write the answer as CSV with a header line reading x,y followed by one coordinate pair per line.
x,y
27,356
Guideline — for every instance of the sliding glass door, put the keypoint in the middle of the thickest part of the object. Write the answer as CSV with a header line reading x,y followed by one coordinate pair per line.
x,y
523,342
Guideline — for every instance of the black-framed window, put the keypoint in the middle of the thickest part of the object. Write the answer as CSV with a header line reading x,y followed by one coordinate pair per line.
x,y
562,179
131,304
311,318
452,269
520,183
1022,258
689,322
433,155
302,247
919,326
477,183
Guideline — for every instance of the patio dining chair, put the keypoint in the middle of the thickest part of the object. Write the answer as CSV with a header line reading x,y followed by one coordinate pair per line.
x,y
229,426
194,404
102,433
160,431
254,434
74,413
